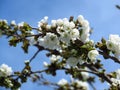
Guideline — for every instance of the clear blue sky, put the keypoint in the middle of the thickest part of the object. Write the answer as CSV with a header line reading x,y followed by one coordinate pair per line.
x,y
104,18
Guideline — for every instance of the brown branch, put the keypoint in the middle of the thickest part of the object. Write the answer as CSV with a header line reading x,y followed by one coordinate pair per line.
x,y
35,28
91,67
101,75
111,57
91,84
93,71
117,6
34,55
40,71
29,62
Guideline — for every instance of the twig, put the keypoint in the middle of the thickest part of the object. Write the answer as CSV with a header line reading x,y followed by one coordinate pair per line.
x,y
34,55
40,71
29,62
94,71
92,86
81,70
111,57
101,75
117,6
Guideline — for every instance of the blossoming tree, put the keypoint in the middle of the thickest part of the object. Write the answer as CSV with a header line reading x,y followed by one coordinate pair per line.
x,y
69,47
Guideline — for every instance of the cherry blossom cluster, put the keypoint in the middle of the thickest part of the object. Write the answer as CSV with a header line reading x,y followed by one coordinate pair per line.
x,y
116,79
61,33
64,31
69,48
5,71
113,44
75,84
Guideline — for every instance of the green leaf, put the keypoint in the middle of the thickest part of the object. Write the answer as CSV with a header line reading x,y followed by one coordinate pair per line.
x,y
25,45
23,79
27,27
103,41
13,41
0,32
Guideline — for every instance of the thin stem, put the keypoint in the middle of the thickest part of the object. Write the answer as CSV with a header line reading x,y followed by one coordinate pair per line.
x,y
92,86
101,75
29,62
94,71
34,55
111,57
40,71
81,70
36,29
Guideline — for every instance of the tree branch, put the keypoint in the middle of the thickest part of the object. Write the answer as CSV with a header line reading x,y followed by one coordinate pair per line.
x,y
101,75
34,55
111,57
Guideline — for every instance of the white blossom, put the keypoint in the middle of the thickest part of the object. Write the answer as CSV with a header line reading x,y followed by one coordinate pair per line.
x,y
68,25
21,24
82,84
113,44
18,89
43,21
71,25
8,82
13,22
46,18
65,37
92,42
59,22
40,24
27,61
80,18
62,82
45,64
53,23
85,75
85,33
68,35
5,70
79,83
4,20
74,33
49,41
115,81
59,29
118,74
54,58
72,61
48,26
68,32
93,54
85,24
32,41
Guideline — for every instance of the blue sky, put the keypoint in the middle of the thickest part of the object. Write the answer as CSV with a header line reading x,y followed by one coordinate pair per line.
x,y
104,18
